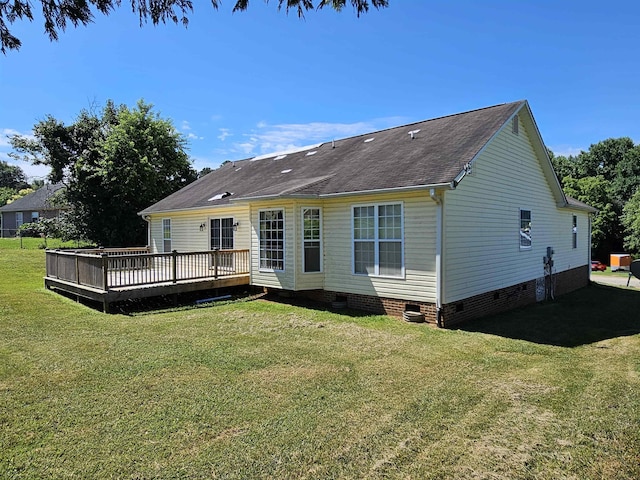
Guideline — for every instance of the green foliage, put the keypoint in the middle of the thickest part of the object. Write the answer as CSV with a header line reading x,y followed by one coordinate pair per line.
x,y
605,177
5,195
113,165
12,177
57,14
631,222
605,227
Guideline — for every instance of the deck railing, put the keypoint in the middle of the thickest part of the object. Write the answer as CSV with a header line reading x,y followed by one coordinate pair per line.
x,y
110,268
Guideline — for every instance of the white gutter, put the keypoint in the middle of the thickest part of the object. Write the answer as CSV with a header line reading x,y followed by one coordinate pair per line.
x,y
147,218
438,199
412,188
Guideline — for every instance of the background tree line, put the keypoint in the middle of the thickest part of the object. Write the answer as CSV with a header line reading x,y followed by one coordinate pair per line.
x,y
607,177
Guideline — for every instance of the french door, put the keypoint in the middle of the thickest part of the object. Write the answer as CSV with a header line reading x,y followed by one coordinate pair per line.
x,y
222,234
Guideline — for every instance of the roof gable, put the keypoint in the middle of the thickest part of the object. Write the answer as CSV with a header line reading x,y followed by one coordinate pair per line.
x,y
422,154
35,201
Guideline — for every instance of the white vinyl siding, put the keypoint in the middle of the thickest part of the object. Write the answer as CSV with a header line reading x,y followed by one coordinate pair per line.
x,y
186,235
418,282
481,253
272,235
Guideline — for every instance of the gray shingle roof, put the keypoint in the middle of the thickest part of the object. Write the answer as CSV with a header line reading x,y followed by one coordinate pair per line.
x,y
36,201
435,154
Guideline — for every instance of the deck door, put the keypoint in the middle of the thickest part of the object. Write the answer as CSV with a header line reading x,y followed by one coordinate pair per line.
x,y
222,234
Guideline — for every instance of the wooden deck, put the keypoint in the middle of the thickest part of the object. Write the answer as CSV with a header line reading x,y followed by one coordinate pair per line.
x,y
113,275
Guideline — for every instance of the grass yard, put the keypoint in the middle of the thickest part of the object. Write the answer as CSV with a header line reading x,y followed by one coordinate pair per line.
x,y
266,390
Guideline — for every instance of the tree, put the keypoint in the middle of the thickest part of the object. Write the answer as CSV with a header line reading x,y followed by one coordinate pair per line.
x,y
113,165
606,231
631,222
58,14
12,177
5,195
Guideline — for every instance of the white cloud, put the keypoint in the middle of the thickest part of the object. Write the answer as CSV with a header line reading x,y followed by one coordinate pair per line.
x,y
32,172
224,133
185,126
276,138
566,150
5,132
193,136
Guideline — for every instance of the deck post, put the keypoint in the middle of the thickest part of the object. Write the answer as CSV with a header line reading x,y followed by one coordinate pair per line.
x,y
174,266
215,263
105,271
77,270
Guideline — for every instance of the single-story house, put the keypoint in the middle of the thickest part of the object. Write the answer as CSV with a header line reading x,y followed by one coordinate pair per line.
x,y
29,208
455,217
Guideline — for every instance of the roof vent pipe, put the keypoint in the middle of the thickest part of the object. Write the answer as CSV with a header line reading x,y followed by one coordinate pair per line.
x,y
333,144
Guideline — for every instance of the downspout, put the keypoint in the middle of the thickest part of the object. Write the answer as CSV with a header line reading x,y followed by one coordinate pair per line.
x,y
147,218
439,231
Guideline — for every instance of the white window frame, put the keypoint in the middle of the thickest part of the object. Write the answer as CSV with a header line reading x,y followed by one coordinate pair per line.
x,y
377,241
574,231
520,236
221,229
35,216
19,219
167,239
310,240
284,241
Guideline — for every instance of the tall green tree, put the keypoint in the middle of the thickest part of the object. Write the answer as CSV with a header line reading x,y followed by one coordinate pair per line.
x,y
12,177
58,14
114,164
631,222
606,230
606,177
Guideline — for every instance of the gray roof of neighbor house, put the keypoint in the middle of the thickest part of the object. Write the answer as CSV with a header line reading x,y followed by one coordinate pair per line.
x,y
36,201
428,153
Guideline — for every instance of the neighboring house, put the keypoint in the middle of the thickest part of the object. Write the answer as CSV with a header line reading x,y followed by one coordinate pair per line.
x,y
29,208
453,217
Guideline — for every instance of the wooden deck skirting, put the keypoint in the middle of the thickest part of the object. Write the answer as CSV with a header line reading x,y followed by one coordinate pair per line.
x,y
110,275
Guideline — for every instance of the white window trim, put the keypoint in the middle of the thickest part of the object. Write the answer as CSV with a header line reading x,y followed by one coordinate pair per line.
x,y
208,229
376,241
320,240
574,232
19,219
284,241
170,235
524,247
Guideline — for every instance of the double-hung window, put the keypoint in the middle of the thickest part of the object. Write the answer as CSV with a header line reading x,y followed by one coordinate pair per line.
x,y
272,239
311,240
378,242
574,231
19,219
525,229
166,235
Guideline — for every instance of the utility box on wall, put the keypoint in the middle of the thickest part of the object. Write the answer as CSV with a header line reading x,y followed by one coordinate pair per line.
x,y
620,261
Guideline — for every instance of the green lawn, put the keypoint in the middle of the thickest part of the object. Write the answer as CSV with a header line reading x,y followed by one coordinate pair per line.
x,y
266,390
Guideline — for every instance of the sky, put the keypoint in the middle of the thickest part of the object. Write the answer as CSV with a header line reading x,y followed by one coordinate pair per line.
x,y
245,84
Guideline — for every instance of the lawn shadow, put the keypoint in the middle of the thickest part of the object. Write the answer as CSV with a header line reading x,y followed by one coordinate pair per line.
x,y
591,314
